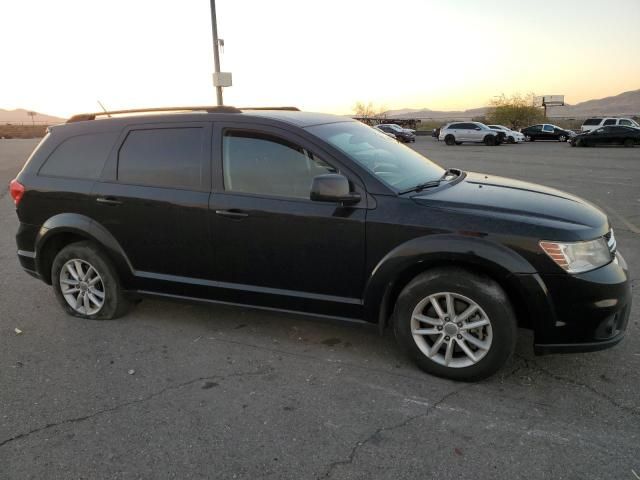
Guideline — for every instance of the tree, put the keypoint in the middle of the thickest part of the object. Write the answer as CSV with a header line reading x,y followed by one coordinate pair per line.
x,y
360,109
514,112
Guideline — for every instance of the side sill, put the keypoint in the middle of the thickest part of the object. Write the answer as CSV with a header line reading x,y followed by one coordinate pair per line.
x,y
333,318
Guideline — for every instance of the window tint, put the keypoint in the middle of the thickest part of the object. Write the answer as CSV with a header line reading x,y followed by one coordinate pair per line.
x,y
455,126
592,121
268,165
625,122
536,128
547,128
611,121
163,157
82,156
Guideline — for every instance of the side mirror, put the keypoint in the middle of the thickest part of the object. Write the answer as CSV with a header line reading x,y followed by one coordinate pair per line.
x,y
333,187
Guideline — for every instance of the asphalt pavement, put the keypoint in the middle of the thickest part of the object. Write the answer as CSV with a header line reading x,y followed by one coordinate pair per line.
x,y
182,391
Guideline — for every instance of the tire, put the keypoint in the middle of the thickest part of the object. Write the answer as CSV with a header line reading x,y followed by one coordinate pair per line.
x,y
463,287
490,140
450,140
511,140
562,138
528,138
81,257
628,142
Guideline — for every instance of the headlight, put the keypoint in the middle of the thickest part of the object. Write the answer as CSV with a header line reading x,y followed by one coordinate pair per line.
x,y
578,257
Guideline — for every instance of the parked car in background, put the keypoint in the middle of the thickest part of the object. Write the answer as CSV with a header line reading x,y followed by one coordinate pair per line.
x,y
610,135
546,131
510,136
402,134
316,213
456,133
597,122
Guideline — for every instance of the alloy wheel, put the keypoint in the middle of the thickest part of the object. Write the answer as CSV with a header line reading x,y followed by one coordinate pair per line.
x,y
82,287
451,329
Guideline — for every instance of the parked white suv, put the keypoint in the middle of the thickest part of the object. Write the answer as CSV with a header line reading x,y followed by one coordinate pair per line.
x,y
597,122
510,136
456,133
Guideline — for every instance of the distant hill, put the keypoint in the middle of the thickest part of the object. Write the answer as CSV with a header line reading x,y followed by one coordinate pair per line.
x,y
20,116
624,104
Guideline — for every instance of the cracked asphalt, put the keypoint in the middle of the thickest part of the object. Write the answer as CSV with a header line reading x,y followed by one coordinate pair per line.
x,y
226,392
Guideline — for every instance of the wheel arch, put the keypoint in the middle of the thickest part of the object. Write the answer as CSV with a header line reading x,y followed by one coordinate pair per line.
x,y
66,228
416,256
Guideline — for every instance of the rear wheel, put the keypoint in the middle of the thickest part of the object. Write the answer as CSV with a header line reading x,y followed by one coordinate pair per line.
x,y
490,140
455,324
86,284
628,142
458,143
450,140
528,138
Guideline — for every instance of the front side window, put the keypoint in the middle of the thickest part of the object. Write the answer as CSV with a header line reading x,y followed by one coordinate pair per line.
x,y
547,128
162,157
398,166
81,157
610,121
265,164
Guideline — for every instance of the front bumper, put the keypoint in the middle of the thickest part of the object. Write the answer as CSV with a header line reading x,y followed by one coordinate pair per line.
x,y
581,313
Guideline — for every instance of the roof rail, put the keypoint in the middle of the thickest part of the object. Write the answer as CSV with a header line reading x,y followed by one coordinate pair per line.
x,y
209,109
288,109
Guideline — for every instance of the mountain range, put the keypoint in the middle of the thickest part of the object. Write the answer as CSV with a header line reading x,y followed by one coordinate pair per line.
x,y
624,104
21,115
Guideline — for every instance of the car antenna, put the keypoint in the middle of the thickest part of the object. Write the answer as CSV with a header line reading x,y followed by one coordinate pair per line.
x,y
102,107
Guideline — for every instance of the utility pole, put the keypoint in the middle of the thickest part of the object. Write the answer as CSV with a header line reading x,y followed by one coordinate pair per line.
x,y
216,55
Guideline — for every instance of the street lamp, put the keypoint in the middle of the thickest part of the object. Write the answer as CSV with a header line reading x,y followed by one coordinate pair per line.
x,y
220,79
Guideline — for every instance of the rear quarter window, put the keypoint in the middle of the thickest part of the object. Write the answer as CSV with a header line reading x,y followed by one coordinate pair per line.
x,y
592,121
81,156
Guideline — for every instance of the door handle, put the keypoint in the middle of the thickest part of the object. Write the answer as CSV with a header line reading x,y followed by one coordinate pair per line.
x,y
108,201
231,214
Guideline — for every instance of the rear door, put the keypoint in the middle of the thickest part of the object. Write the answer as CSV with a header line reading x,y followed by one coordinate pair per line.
x,y
153,198
271,245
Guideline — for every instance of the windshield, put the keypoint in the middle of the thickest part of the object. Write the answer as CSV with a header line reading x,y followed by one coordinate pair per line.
x,y
395,127
482,126
398,166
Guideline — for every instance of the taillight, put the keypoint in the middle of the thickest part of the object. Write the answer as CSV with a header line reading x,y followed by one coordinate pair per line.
x,y
17,191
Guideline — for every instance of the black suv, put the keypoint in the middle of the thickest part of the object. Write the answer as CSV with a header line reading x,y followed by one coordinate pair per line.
x,y
294,211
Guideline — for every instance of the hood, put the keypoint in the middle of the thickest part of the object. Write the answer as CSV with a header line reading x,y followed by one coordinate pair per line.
x,y
518,201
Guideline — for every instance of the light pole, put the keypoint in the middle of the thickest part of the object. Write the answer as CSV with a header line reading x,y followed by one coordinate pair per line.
x,y
216,55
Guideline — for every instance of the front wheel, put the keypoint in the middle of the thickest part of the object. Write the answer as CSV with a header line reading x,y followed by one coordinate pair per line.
x,y
511,140
450,140
86,283
562,138
528,138
455,324
628,142
490,140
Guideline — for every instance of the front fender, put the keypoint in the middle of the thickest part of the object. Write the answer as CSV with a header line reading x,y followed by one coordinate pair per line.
x,y
85,227
419,254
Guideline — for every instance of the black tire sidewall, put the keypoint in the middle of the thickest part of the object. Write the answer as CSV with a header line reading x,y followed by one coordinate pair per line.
x,y
450,140
481,290
115,303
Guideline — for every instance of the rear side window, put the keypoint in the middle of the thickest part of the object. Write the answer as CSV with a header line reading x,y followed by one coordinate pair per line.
x,y
626,122
163,157
454,126
547,128
82,156
611,121
592,121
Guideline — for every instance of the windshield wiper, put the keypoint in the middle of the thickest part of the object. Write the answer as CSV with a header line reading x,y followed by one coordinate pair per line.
x,y
434,183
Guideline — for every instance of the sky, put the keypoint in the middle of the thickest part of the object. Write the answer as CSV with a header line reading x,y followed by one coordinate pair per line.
x,y
60,57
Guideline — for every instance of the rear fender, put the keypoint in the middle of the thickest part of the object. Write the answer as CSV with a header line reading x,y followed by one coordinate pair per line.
x,y
85,227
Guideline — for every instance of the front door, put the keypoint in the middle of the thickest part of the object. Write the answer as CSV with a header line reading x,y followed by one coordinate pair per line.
x,y
272,245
